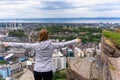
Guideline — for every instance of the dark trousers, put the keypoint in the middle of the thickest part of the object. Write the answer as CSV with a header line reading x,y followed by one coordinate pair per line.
x,y
43,75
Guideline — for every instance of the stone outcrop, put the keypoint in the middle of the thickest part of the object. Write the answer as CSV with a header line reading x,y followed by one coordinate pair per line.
x,y
109,61
105,67
109,48
81,69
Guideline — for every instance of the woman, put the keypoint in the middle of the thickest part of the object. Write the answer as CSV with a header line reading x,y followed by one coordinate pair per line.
x,y
43,53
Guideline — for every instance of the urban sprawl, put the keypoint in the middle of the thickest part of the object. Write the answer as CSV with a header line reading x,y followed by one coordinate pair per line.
x,y
15,62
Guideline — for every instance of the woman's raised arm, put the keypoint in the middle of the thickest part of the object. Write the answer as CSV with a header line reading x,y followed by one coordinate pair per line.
x,y
16,44
63,44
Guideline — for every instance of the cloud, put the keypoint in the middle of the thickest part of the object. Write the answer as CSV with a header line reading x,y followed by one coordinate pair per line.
x,y
58,8
54,5
105,7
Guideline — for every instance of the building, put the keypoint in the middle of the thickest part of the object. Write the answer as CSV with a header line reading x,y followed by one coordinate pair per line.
x,y
1,57
58,60
59,63
8,58
17,50
70,52
14,67
17,66
5,72
18,53
78,52
89,52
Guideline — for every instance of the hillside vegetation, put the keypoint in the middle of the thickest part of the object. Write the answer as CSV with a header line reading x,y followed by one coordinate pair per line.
x,y
114,36
68,33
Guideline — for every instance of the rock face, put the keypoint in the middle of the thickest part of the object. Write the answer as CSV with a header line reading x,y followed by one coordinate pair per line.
x,y
109,61
110,49
81,69
72,75
105,67
117,29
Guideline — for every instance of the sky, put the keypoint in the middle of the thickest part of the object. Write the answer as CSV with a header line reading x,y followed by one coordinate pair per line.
x,y
59,8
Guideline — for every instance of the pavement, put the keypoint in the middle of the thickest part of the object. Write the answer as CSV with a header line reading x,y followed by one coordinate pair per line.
x,y
28,75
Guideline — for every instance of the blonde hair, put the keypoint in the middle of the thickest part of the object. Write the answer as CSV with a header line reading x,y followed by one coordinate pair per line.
x,y
43,35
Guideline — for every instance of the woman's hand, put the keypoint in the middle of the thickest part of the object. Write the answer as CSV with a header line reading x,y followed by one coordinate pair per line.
x,y
5,44
78,40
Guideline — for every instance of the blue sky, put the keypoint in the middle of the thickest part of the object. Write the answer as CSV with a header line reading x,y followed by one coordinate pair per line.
x,y
59,8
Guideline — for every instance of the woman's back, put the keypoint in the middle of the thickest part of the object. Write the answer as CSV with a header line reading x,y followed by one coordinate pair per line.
x,y
43,56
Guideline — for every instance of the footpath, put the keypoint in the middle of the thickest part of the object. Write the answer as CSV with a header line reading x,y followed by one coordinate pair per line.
x,y
28,75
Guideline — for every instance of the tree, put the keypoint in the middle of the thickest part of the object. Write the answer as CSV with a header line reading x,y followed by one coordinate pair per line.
x,y
17,33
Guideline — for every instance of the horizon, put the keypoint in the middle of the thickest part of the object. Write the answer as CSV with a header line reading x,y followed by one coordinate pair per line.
x,y
66,18
62,20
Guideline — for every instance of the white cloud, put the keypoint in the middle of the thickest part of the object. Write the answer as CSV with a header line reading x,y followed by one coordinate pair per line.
x,y
58,8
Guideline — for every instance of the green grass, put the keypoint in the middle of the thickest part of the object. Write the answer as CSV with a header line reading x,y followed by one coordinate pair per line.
x,y
59,75
2,62
112,67
114,36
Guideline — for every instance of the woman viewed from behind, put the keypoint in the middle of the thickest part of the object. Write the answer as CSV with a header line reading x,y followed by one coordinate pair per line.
x,y
44,49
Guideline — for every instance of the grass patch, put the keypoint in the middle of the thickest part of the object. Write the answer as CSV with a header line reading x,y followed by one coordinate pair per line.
x,y
114,36
59,75
112,67
2,62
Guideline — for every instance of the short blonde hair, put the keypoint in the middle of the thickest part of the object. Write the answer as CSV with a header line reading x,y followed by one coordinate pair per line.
x,y
43,35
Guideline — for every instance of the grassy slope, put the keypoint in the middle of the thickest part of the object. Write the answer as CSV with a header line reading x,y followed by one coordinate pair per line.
x,y
114,36
60,75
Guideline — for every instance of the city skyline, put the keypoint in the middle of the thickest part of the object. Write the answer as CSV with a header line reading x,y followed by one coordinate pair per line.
x,y
59,8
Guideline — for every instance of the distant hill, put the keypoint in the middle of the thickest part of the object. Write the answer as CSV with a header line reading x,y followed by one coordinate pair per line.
x,y
62,20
